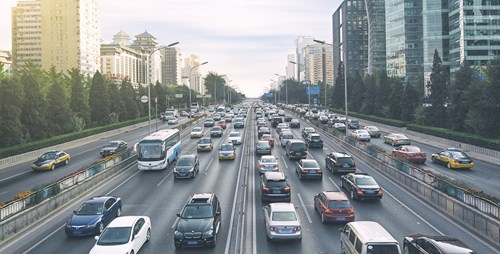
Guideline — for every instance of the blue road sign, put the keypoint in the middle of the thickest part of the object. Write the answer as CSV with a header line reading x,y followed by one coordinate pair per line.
x,y
312,90
269,95
315,100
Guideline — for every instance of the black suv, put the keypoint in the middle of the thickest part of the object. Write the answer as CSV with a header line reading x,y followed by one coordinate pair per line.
x,y
314,140
296,149
339,162
199,222
274,187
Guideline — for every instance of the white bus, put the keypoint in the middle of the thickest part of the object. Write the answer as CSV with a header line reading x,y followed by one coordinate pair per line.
x,y
156,151
195,107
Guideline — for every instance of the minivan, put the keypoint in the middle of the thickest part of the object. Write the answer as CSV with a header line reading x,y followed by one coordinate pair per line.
x,y
277,120
367,237
296,149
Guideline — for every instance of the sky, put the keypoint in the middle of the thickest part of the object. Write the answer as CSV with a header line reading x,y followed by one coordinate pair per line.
x,y
246,40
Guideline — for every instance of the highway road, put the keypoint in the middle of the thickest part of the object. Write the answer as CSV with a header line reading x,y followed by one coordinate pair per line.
x,y
159,196
19,178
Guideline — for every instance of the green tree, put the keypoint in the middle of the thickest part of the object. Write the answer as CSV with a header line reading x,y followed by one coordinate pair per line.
x,y
34,107
79,103
357,88
59,114
99,101
368,106
382,93
338,88
129,105
11,102
394,104
438,97
409,103
115,102
488,109
457,106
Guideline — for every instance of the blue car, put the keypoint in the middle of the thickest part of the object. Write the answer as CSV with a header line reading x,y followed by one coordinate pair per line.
x,y
93,216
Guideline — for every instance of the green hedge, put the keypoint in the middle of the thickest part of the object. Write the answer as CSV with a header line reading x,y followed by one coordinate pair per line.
x,y
457,136
23,148
378,119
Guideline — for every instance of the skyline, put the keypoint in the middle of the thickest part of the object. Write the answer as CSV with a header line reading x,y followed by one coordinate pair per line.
x,y
249,49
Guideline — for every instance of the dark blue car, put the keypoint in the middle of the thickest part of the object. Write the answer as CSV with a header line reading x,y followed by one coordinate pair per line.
x,y
93,216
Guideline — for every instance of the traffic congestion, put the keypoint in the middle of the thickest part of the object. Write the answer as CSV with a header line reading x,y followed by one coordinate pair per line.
x,y
273,183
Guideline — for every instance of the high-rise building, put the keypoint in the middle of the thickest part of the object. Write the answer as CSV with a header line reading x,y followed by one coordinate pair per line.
x,y
375,13
350,36
26,34
319,63
6,61
404,39
290,67
119,61
474,28
171,66
301,42
56,33
150,71
191,73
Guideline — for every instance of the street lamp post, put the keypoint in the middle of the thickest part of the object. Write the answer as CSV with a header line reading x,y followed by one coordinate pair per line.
x,y
198,65
272,80
342,52
149,80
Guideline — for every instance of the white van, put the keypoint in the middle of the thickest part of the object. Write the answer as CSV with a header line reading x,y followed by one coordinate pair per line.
x,y
367,237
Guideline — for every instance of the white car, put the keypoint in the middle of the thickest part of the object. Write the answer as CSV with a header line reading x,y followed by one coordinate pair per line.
x,y
282,222
361,135
268,163
235,138
197,132
124,234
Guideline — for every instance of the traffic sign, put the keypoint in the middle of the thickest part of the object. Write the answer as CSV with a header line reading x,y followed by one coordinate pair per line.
x,y
144,99
312,90
178,95
208,95
199,96
315,100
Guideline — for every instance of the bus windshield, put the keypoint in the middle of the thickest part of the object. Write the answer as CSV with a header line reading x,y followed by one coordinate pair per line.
x,y
150,150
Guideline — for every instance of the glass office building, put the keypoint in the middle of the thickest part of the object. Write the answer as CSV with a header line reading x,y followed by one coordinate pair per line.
x,y
375,12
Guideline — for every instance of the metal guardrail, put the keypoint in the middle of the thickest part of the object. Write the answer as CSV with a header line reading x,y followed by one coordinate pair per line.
x,y
480,203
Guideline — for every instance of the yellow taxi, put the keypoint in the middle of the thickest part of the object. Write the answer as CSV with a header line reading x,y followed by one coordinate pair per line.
x,y
205,144
453,158
50,160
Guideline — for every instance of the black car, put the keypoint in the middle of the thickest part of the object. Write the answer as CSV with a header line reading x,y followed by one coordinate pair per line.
x,y
288,119
361,186
209,122
216,131
417,243
274,187
309,168
314,140
113,147
339,162
307,130
199,222
262,131
296,149
93,216
263,147
295,124
187,166
353,124
238,124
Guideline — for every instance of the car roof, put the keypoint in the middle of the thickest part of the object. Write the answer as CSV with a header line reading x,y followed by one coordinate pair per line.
x,y
282,207
314,135
341,154
371,231
358,175
191,156
98,199
274,175
234,132
124,221
267,157
335,195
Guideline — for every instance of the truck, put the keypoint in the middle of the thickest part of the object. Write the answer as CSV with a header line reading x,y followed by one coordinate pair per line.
x,y
171,112
195,107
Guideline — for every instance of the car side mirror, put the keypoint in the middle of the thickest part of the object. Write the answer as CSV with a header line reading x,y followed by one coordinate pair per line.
x,y
217,213
341,230
136,236
178,214
74,212
96,237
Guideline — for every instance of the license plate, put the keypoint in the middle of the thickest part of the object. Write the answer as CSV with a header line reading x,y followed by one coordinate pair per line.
x,y
276,191
286,231
192,242
341,218
312,171
346,165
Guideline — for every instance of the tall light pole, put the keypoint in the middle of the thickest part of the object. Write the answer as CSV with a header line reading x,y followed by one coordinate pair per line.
x,y
149,80
272,80
342,52
198,65
308,84
215,89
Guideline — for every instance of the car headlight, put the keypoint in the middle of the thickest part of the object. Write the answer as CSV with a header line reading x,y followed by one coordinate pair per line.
x,y
191,169
178,234
175,169
208,233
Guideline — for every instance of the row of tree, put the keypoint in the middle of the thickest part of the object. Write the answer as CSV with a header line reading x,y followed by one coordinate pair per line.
x,y
467,101
37,104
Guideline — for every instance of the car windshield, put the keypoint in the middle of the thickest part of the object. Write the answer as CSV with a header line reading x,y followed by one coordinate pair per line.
x,y
234,135
365,181
263,144
310,130
287,136
197,129
315,138
371,128
197,212
204,141
267,136
399,136
413,149
264,129
310,164
89,209
112,145
222,122
344,160
276,184
298,146
268,160
284,216
382,249
363,132
216,129
339,204
48,156
226,148
185,161
115,236
458,155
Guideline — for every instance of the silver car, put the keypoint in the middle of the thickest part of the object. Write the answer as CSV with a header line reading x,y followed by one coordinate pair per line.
x,y
373,130
282,222
268,163
285,137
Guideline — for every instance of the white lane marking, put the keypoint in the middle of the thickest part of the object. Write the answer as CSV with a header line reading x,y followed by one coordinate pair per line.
x,y
208,166
16,175
164,178
175,222
45,238
283,158
119,185
305,209
254,220
331,180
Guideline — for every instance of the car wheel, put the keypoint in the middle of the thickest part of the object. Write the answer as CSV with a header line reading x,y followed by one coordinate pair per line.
x,y
148,235
405,249
323,220
214,241
53,166
342,248
341,184
119,212
100,228
448,165
177,246
433,159
132,252
353,197
66,162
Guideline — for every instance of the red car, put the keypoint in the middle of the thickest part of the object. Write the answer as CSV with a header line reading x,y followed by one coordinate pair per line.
x,y
333,206
410,153
268,138
222,124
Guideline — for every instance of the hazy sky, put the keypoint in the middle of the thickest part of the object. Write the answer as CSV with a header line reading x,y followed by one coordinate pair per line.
x,y
247,40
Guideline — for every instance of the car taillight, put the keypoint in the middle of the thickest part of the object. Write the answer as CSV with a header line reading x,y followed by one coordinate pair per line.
x,y
298,228
261,165
358,191
265,189
380,192
287,189
328,210
273,228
